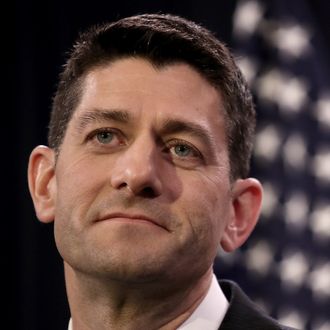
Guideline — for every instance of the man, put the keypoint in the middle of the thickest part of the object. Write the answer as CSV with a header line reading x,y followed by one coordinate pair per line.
x,y
146,174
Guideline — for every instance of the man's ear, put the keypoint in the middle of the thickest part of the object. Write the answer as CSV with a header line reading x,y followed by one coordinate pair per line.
x,y
42,185
246,205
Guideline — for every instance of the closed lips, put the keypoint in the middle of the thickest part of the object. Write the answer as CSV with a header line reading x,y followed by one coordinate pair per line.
x,y
136,217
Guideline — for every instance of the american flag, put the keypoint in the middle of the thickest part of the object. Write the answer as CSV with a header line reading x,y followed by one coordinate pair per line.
x,y
285,265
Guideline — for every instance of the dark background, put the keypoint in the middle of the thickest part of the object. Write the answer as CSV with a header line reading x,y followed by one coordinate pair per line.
x,y
40,33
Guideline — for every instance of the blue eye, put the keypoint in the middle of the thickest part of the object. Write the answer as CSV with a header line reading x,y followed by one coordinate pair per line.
x,y
182,150
105,137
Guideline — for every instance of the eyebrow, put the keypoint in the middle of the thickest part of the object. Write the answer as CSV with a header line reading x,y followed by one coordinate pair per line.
x,y
173,126
169,126
101,115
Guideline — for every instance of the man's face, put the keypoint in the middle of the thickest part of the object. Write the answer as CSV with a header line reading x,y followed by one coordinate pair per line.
x,y
142,189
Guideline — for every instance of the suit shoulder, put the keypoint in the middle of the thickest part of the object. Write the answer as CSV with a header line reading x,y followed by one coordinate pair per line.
x,y
242,313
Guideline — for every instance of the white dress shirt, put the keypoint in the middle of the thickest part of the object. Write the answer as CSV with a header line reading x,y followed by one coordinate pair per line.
x,y
209,313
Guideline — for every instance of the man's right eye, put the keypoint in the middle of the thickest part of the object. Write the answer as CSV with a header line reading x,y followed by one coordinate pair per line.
x,y
105,137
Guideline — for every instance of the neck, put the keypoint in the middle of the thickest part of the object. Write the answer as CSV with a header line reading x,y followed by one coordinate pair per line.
x,y
104,304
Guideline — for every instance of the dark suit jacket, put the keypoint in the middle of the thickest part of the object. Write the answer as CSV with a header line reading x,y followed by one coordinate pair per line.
x,y
243,313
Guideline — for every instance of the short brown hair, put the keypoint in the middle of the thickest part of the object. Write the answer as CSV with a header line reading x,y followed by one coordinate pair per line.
x,y
161,39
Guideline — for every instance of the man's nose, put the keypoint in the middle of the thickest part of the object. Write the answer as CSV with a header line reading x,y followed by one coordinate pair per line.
x,y
137,169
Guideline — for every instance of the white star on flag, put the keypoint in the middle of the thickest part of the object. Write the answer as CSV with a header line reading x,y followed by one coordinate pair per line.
x,y
291,39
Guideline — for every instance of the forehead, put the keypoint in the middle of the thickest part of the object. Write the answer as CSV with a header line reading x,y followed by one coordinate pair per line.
x,y
138,87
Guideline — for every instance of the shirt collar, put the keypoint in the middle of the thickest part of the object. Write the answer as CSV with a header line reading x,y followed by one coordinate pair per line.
x,y
209,313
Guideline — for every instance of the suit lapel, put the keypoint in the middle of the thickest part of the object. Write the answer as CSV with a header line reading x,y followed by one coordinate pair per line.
x,y
242,313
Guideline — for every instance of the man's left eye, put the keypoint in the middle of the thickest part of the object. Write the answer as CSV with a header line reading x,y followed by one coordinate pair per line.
x,y
182,150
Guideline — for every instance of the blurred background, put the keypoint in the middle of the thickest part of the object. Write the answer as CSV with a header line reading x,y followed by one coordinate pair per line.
x,y
283,48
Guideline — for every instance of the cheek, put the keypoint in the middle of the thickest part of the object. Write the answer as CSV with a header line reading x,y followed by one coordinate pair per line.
x,y
81,174
208,200
78,184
